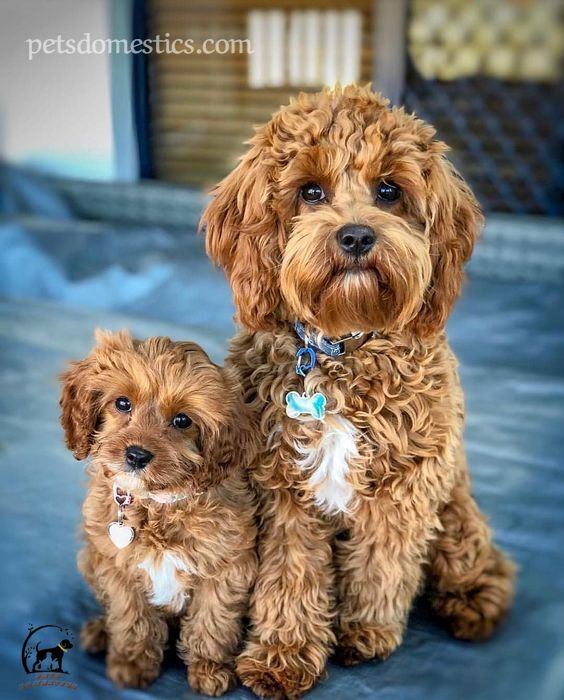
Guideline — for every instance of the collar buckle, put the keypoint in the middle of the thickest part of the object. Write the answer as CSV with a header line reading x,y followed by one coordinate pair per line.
x,y
332,348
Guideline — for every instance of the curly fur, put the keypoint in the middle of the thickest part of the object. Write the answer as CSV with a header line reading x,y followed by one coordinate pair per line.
x,y
343,579
193,560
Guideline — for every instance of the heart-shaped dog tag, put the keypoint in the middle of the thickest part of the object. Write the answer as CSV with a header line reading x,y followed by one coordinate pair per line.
x,y
121,535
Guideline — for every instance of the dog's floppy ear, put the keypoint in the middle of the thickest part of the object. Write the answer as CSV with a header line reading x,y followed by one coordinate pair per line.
x,y
225,446
79,407
220,455
244,235
454,222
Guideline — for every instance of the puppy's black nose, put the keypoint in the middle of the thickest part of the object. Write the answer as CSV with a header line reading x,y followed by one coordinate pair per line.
x,y
356,239
137,457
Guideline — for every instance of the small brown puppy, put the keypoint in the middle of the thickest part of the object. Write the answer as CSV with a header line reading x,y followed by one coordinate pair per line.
x,y
168,520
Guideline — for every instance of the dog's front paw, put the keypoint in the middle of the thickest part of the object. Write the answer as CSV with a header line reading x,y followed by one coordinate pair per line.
x,y
276,672
357,643
210,678
131,673
93,636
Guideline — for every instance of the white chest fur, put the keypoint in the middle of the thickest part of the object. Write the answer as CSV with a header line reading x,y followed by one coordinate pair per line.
x,y
162,570
329,461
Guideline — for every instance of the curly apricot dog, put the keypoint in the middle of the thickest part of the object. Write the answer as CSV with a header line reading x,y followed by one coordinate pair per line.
x,y
343,232
168,519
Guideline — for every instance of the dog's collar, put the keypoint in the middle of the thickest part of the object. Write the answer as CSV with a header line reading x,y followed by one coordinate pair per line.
x,y
314,405
333,347
123,497
121,534
62,648
167,498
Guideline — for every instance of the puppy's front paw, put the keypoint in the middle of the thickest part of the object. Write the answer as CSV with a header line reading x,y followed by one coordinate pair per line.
x,y
93,636
210,678
131,673
357,643
278,673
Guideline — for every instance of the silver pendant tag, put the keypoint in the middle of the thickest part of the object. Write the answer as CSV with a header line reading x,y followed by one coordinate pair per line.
x,y
121,535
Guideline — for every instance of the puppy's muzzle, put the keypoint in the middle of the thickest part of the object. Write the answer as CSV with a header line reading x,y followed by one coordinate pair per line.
x,y
137,457
356,239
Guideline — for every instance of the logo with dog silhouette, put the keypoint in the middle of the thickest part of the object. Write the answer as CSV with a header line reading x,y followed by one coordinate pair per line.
x,y
45,648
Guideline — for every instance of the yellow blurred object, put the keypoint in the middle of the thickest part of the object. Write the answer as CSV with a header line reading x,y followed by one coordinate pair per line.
x,y
535,64
454,33
432,61
466,62
505,39
501,63
485,36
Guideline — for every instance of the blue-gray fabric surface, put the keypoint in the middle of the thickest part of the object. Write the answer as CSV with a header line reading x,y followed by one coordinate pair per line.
x,y
59,283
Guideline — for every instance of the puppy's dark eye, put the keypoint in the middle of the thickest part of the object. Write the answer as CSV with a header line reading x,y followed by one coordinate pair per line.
x,y
312,193
388,192
123,404
181,420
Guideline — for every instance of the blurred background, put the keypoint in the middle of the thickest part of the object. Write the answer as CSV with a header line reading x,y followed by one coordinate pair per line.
x,y
106,156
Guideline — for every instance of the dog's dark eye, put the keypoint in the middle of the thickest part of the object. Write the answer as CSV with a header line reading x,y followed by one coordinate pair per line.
x,y
387,192
312,193
123,404
181,420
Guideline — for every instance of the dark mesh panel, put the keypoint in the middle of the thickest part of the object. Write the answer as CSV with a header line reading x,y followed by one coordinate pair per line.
x,y
506,138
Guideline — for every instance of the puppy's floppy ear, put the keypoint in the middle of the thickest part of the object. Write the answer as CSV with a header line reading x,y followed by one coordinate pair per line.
x,y
79,407
220,457
244,235
454,222
225,446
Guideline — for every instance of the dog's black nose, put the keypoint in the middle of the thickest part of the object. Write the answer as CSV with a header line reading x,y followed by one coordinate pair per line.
x,y
356,239
137,457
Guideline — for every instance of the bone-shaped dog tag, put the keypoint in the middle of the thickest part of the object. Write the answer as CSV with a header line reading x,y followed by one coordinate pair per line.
x,y
302,404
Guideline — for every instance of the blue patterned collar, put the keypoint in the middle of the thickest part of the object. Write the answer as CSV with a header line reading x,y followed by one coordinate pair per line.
x,y
333,347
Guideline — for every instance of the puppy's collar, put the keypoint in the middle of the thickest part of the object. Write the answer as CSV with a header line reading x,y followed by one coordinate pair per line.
x,y
62,648
123,497
168,498
333,347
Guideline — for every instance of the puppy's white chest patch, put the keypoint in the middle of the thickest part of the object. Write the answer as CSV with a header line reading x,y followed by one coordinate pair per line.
x,y
162,569
329,459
